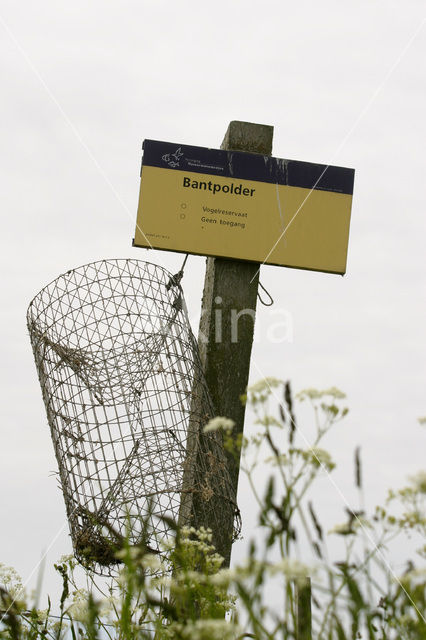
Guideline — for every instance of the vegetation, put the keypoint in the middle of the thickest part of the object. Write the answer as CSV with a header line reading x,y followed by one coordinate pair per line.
x,y
184,593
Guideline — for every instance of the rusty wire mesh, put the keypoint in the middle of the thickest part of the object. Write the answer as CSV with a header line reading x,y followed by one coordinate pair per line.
x,y
126,402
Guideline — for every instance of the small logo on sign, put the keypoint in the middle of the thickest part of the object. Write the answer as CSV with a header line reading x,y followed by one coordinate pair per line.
x,y
172,159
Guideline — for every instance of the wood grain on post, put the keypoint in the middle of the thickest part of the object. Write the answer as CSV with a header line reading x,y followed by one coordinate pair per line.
x,y
229,298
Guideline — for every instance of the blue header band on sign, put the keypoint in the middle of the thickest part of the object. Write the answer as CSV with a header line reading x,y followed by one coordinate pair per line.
x,y
247,166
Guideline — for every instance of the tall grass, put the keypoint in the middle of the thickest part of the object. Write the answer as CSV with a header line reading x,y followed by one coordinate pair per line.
x,y
184,593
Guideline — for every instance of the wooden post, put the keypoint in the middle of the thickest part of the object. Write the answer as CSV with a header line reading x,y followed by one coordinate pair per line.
x,y
302,589
227,319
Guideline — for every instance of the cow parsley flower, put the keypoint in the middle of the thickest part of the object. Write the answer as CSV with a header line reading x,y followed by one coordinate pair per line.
x,y
418,480
219,423
292,569
267,384
79,608
151,562
315,394
12,582
312,394
207,629
321,458
334,392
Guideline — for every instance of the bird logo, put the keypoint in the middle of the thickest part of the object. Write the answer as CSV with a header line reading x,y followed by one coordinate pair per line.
x,y
172,159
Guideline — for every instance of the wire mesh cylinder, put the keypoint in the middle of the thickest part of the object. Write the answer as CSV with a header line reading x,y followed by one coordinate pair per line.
x,y
126,401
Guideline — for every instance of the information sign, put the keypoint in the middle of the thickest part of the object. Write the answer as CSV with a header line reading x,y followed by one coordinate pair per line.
x,y
244,206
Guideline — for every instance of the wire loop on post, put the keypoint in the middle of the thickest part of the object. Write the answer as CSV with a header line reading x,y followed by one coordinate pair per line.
x,y
174,281
271,300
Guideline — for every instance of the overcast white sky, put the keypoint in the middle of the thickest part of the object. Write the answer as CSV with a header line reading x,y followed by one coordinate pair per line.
x,y
83,83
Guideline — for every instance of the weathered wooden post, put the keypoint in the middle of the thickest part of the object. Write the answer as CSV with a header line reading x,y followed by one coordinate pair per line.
x,y
227,318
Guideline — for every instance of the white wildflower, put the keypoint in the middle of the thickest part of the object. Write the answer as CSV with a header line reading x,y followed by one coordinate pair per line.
x,y
322,458
277,461
122,577
152,562
311,393
290,568
187,531
164,581
207,629
78,609
12,582
223,577
68,560
247,570
267,384
168,544
219,423
314,394
335,393
8,575
132,553
109,605
42,615
204,534
419,481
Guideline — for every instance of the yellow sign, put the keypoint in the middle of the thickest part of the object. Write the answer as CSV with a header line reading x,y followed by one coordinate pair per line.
x,y
244,206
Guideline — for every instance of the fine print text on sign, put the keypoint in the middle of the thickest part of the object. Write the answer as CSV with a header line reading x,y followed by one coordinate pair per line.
x,y
244,206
